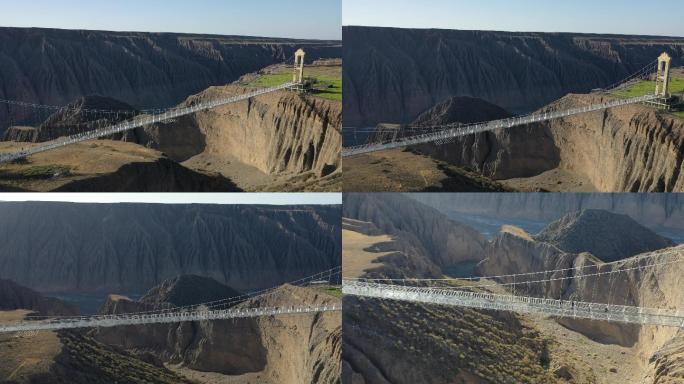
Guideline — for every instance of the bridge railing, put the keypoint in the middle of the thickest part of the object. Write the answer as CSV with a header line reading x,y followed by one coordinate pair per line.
x,y
450,131
138,121
535,305
170,317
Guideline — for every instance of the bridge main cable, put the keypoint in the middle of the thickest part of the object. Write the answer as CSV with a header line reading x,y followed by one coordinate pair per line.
x,y
451,131
138,122
159,318
520,304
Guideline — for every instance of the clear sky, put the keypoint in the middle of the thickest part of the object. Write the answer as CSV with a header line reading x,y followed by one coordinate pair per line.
x,y
182,198
311,19
654,17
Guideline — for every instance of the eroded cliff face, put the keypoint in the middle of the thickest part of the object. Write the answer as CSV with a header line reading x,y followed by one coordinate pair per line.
x,y
132,247
638,148
147,70
278,133
652,280
628,149
279,349
604,234
393,74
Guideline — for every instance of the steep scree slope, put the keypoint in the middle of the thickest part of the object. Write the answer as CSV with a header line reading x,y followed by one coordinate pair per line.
x,y
607,235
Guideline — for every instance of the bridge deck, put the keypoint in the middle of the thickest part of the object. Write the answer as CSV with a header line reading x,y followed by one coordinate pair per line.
x,y
533,305
451,131
160,318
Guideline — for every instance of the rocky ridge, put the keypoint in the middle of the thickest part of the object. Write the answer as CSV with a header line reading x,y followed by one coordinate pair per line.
x,y
604,234
14,296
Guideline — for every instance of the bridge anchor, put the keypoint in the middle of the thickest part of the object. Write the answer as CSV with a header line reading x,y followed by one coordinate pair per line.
x,y
664,100
298,73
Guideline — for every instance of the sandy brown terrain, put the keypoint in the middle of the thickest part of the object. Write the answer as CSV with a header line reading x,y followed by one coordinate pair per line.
x,y
25,355
356,260
399,170
103,165
554,180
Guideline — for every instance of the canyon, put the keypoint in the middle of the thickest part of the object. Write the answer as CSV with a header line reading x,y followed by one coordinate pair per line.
x,y
394,74
280,141
227,351
548,350
146,70
435,77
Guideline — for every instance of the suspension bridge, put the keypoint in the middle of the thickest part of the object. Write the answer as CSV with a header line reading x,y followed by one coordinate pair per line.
x,y
378,139
451,292
146,118
223,309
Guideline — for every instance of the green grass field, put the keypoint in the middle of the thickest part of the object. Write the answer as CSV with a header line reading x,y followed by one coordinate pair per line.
x,y
322,75
646,87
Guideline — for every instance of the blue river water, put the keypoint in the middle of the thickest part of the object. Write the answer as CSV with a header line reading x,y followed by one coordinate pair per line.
x,y
87,303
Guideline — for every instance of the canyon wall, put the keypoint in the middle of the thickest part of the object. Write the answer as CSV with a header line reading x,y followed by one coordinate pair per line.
x,y
652,210
394,74
638,148
132,247
279,133
146,70
257,345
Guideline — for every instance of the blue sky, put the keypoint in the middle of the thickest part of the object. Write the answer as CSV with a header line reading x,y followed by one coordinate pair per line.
x,y
314,19
655,17
182,198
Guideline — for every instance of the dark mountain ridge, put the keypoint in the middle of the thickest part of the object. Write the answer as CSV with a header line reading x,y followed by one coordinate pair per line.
x,y
604,234
393,74
107,248
146,70
664,210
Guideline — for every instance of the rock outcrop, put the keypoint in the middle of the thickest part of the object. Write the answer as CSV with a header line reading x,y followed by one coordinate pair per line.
x,y
638,147
86,114
187,290
14,296
278,133
394,74
147,70
133,247
20,134
604,234
462,110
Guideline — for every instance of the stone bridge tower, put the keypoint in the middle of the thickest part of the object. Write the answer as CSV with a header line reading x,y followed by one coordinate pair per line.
x,y
663,75
298,75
